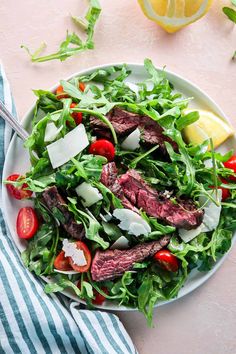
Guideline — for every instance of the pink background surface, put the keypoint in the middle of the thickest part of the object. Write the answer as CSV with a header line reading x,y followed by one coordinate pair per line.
x,y
203,322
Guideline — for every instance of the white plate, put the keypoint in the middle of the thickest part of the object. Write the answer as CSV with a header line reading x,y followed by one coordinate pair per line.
x,y
17,161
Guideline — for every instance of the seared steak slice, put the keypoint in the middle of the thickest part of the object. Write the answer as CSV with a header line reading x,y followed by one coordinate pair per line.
x,y
184,214
125,122
103,133
110,180
152,133
113,263
54,201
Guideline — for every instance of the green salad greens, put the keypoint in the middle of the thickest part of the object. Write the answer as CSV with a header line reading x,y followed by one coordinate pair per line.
x,y
187,171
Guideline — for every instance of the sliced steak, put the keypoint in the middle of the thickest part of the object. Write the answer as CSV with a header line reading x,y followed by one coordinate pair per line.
x,y
152,133
54,201
125,122
109,177
113,263
183,214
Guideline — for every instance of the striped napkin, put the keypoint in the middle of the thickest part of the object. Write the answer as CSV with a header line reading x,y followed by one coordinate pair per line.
x,y
33,322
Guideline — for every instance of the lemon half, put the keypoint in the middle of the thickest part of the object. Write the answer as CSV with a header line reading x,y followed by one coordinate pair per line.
x,y
172,15
207,126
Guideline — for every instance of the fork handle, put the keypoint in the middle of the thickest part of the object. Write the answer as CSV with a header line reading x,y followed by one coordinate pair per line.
x,y
8,117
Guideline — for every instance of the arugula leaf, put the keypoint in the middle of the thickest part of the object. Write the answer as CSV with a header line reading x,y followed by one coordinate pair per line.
x,y
91,225
72,44
41,250
122,288
187,119
47,101
61,282
157,228
230,13
112,230
148,294
65,117
90,167
110,200
136,160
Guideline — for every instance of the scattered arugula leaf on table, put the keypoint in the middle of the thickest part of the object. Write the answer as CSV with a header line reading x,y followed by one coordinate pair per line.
x,y
72,44
230,13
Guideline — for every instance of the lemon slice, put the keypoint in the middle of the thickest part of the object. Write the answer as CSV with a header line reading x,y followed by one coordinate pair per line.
x,y
207,126
172,15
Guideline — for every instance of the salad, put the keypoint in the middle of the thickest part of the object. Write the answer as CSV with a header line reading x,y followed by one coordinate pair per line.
x,y
124,208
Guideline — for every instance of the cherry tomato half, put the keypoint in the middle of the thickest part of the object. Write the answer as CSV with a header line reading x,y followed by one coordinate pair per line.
x,y
81,86
81,269
61,262
167,260
78,116
231,163
104,148
26,223
18,192
60,93
225,191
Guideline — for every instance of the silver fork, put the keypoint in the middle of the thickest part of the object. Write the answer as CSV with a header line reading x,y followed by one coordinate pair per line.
x,y
8,117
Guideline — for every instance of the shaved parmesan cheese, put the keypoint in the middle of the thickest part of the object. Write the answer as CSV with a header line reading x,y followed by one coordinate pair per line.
x,y
211,217
121,243
188,235
72,251
132,141
131,222
51,132
88,193
68,272
137,229
62,150
212,211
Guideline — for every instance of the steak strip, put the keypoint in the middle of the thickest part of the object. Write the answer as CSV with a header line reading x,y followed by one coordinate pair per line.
x,y
183,214
54,200
109,177
125,122
113,263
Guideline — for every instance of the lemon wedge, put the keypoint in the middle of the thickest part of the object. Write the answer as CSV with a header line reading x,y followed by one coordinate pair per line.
x,y
207,126
172,15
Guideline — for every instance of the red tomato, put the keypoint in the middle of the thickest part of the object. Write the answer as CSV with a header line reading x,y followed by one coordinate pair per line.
x,y
81,86
231,163
61,262
99,299
167,260
60,93
104,148
78,116
225,191
18,192
81,269
26,223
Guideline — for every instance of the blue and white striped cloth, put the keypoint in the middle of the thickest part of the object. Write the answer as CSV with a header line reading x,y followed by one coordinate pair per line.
x,y
33,322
